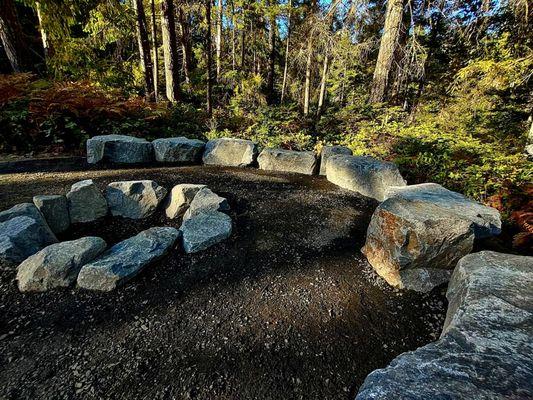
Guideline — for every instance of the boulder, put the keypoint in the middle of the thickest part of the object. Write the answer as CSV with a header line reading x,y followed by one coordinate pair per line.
x,y
21,237
85,202
57,265
206,200
485,348
406,235
178,150
180,198
126,259
204,230
27,209
485,220
55,211
329,151
230,152
119,149
300,162
365,175
134,199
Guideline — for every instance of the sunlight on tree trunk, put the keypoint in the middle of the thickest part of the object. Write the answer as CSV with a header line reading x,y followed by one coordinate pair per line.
x,y
218,39
307,84
323,83
170,51
12,37
186,46
154,49
44,35
209,57
287,44
271,54
144,49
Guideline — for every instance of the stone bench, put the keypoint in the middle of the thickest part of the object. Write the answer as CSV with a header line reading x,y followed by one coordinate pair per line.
x,y
119,149
230,152
301,162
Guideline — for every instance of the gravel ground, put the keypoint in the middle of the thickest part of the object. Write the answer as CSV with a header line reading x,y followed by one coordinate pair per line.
x,y
287,308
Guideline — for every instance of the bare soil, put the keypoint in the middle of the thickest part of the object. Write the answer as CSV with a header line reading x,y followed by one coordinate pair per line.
x,y
287,308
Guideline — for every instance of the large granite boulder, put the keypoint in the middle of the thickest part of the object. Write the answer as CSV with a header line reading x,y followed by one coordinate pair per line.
x,y
485,348
126,259
301,162
55,211
180,198
57,265
204,230
206,200
485,220
365,175
119,149
178,150
329,151
21,237
230,152
134,199
27,209
85,202
405,235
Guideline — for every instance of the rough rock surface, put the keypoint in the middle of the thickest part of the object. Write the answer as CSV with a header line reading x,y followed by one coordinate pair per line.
x,y
85,202
119,149
178,150
485,220
485,348
204,230
365,175
406,235
301,162
55,210
134,199
230,152
22,236
329,151
27,209
180,198
126,259
57,265
206,200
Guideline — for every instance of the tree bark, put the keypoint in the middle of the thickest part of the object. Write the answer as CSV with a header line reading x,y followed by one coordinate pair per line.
x,y
186,45
218,39
287,43
154,49
170,51
44,36
323,83
243,33
271,56
144,49
209,57
389,42
307,84
13,39
233,28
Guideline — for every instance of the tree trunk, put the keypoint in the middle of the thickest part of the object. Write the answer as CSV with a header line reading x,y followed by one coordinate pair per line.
x,y
323,83
307,84
44,36
271,56
287,42
186,46
170,51
209,57
233,28
154,49
144,49
13,39
218,39
243,36
387,50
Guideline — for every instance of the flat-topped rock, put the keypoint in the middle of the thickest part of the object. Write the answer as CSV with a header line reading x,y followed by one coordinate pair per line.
x,y
365,175
178,150
485,348
27,209
126,259
21,237
57,265
204,230
329,151
404,236
300,162
230,152
120,149
180,198
85,202
134,199
206,200
55,210
485,220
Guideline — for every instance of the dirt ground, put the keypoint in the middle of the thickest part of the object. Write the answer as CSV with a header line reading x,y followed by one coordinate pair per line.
x,y
287,308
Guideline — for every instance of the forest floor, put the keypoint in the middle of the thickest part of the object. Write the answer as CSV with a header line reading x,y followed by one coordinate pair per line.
x,y
287,308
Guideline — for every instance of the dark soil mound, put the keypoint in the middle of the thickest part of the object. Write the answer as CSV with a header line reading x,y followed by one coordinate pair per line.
x,y
287,308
